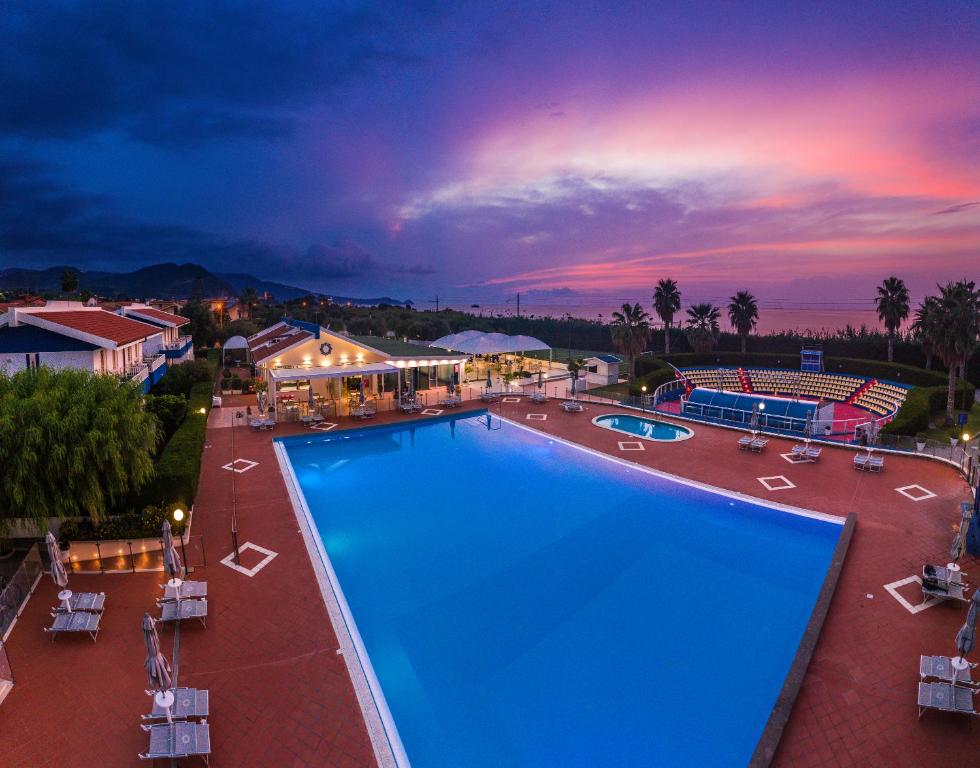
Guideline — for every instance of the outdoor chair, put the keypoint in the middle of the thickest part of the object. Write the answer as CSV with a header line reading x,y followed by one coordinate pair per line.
x,y
861,461
942,590
451,401
744,443
81,621
876,463
490,397
941,668
572,406
174,610
946,697
189,590
759,443
177,740
539,397
189,704
92,602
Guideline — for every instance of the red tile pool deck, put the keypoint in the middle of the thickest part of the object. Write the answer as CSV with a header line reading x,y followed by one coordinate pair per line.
x,y
281,696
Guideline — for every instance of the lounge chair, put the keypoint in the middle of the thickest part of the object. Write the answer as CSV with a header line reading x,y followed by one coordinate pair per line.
x,y
80,621
943,590
539,397
172,610
189,590
177,740
189,704
941,668
451,401
572,406
806,453
861,461
92,602
876,463
946,698
759,443
744,443
490,397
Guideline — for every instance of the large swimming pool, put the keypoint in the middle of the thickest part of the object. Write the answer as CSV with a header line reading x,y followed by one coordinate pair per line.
x,y
524,602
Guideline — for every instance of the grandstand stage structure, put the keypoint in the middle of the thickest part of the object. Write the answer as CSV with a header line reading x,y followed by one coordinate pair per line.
x,y
838,406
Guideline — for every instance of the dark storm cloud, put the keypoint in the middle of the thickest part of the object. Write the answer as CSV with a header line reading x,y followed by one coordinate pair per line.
x,y
184,71
42,222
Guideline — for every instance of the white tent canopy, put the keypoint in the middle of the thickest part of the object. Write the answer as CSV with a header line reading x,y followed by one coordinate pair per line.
x,y
478,343
234,342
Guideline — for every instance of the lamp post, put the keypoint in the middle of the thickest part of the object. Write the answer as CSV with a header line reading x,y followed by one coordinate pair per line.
x,y
178,516
643,397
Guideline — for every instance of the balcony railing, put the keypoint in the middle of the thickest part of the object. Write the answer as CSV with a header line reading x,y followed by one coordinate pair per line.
x,y
137,372
178,348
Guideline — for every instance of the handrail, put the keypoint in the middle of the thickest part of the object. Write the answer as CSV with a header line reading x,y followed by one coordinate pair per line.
x,y
15,595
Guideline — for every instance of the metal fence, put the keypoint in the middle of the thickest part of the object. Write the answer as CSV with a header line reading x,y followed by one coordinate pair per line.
x,y
132,555
18,590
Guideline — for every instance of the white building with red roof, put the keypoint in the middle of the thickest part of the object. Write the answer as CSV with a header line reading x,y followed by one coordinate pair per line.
x,y
137,342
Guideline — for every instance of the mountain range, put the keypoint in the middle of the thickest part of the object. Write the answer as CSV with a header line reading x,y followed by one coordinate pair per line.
x,y
164,281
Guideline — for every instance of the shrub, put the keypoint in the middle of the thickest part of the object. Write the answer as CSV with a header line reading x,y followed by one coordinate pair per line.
x,y
144,524
920,404
236,382
169,410
179,379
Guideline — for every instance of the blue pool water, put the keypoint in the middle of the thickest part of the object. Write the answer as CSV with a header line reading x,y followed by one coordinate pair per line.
x,y
526,603
649,429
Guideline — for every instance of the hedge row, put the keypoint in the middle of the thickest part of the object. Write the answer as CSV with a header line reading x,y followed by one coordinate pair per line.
x,y
179,466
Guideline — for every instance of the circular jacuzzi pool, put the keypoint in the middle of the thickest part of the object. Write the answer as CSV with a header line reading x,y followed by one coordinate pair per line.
x,y
641,426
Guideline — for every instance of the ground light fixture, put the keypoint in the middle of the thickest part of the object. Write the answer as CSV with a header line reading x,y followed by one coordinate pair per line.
x,y
202,411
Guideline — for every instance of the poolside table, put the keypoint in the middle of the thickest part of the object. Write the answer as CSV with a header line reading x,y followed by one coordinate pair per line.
x,y
175,740
189,590
189,704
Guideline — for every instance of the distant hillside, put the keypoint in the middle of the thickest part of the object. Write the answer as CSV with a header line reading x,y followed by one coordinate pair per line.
x,y
161,281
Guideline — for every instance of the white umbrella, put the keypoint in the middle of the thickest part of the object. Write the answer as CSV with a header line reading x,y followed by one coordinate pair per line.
x,y
58,574
171,561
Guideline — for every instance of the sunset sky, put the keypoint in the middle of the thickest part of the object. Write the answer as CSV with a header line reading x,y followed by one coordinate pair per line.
x,y
801,150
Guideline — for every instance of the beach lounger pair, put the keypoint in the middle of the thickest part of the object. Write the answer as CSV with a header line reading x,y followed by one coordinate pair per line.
x,y
182,610
754,444
92,602
189,704
490,397
572,406
189,590
869,463
806,453
177,740
77,621
539,397
452,401
946,697
940,668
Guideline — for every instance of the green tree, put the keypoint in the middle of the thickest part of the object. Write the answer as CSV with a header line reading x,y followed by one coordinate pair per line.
x,y
953,329
892,302
743,312
72,443
630,332
247,303
924,327
202,325
69,281
702,326
667,303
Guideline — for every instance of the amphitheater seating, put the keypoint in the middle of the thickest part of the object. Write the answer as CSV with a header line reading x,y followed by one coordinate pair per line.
x,y
877,397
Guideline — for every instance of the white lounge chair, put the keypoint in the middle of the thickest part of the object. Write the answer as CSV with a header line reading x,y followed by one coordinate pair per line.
x,y
941,668
174,610
177,740
79,621
946,697
572,406
744,443
93,602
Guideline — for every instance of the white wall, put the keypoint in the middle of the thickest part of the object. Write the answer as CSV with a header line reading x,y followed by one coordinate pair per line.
x,y
15,361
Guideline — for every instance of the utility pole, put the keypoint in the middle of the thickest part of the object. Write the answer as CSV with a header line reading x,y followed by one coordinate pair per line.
x,y
435,301
518,304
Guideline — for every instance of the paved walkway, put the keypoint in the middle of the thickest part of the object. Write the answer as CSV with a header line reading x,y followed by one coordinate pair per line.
x,y
281,695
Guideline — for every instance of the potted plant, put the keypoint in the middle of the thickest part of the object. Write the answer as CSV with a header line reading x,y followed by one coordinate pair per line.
x,y
920,442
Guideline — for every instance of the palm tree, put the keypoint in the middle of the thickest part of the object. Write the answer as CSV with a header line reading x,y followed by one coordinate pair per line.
x,y
743,311
702,326
69,281
247,302
954,327
892,302
630,331
667,302
575,365
924,327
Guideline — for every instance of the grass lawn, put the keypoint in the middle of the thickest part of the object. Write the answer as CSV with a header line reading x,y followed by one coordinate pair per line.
x,y
942,432
613,391
561,355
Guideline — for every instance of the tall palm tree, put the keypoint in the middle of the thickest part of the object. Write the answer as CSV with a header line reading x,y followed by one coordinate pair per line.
x,y
743,311
702,326
892,302
666,303
630,331
924,327
954,330
247,302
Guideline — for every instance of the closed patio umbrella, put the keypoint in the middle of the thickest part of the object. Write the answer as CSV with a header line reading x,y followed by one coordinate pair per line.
x,y
171,561
540,379
309,397
362,391
966,638
489,381
157,667
58,574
